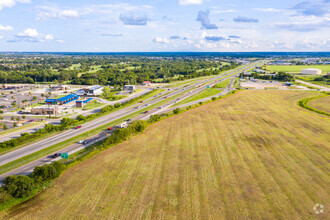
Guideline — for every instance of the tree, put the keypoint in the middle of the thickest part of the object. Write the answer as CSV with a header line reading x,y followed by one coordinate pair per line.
x,y
19,186
214,98
5,127
23,116
15,124
176,111
17,119
12,118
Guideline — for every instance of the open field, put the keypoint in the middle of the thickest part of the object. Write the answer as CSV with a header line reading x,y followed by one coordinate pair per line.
x,y
297,69
255,154
322,104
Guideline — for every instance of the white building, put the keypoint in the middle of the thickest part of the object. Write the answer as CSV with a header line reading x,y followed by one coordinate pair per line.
x,y
311,71
93,90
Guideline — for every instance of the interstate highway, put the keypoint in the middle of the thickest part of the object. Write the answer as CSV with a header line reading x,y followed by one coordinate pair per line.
x,y
14,155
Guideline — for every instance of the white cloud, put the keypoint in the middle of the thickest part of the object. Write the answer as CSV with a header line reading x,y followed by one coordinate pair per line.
x,y
5,28
48,12
190,2
161,40
11,3
32,35
267,9
1,37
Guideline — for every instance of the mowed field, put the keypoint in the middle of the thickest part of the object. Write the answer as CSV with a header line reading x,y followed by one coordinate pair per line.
x,y
298,68
252,155
322,104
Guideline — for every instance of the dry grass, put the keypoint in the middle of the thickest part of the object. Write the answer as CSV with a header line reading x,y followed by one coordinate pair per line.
x,y
253,155
322,104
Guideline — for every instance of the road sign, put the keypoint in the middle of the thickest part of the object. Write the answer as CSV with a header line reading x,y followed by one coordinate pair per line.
x,y
65,155
208,87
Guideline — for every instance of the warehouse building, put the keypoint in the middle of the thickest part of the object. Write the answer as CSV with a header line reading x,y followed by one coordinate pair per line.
x,y
311,71
82,103
93,90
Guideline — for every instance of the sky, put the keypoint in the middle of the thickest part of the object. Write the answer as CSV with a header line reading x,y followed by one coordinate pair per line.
x,y
164,25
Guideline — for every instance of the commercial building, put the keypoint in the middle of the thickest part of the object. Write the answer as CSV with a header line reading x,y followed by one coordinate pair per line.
x,y
146,83
44,110
129,88
63,100
82,103
311,71
93,90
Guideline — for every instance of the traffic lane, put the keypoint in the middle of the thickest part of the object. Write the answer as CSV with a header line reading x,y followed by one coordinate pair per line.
x,y
14,155
18,133
66,135
28,168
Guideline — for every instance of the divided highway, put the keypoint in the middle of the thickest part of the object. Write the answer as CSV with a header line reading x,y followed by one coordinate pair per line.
x,y
14,155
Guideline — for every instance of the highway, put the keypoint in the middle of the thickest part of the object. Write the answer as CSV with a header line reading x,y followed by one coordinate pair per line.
x,y
14,155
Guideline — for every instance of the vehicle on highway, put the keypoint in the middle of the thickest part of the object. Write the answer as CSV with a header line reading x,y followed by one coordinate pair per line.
x,y
56,155
141,102
137,107
78,127
129,120
147,104
160,107
165,97
31,120
146,112
110,128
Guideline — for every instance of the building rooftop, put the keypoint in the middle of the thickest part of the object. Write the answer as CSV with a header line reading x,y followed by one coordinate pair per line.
x,y
95,87
70,96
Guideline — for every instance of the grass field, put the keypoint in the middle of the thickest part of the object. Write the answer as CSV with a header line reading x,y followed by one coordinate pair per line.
x,y
254,155
297,69
322,104
222,84
204,94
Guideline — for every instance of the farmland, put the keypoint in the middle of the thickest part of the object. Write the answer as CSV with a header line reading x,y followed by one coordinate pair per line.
x,y
322,104
298,68
255,154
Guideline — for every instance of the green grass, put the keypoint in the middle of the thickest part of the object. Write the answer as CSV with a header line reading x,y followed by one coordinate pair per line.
x,y
253,155
298,68
93,104
13,130
203,94
311,79
222,84
304,104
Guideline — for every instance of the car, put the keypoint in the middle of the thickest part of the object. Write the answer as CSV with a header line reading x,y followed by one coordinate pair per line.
x,y
31,120
146,112
56,155
129,120
141,102
85,142
165,97
147,104
110,128
160,106
78,127
137,107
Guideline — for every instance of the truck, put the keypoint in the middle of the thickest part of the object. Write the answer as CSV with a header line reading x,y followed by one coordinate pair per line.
x,y
123,125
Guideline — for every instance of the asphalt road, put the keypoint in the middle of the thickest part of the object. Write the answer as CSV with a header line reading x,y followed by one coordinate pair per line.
x,y
14,155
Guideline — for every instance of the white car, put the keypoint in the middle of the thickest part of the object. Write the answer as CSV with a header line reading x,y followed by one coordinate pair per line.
x,y
160,107
147,104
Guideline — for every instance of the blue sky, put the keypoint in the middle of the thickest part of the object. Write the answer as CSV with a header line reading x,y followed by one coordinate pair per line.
x,y
164,25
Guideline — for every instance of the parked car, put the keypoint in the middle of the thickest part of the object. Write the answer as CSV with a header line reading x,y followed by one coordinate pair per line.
x,y
110,128
56,155
78,127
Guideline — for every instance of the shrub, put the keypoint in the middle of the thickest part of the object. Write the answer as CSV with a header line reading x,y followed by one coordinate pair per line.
x,y
214,98
177,111
48,171
4,195
19,186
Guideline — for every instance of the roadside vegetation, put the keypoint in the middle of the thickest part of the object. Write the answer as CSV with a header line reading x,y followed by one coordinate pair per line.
x,y
304,103
203,94
209,162
222,84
